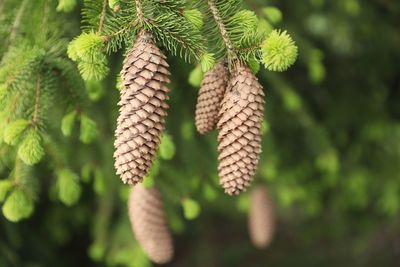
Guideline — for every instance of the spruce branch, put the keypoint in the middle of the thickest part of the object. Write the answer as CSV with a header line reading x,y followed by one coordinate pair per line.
x,y
71,82
139,11
129,26
103,16
165,20
222,29
17,22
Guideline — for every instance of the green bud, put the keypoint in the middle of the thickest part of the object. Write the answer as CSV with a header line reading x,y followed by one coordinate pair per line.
x,y
167,147
72,51
67,123
88,131
209,192
14,131
291,100
96,251
279,51
66,5
273,14
95,89
316,72
94,70
69,189
196,76
30,150
207,61
187,130
191,209
88,46
18,206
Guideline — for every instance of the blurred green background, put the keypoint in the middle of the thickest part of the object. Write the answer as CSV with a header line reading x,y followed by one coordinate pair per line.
x,y
331,157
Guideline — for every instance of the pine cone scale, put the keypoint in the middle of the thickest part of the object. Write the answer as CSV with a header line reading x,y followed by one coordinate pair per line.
x,y
239,137
142,109
209,99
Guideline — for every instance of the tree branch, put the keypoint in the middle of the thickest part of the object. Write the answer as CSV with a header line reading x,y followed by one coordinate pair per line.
x,y
103,15
222,29
17,22
139,11
131,24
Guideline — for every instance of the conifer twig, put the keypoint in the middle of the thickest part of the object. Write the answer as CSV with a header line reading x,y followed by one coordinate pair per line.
x,y
103,16
139,11
222,29
37,101
131,24
17,21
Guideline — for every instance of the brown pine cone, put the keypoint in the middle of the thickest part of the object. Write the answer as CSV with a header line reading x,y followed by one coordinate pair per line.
x,y
149,225
142,110
239,136
211,92
261,218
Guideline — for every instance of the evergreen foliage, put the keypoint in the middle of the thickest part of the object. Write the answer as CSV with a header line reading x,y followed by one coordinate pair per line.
x,y
331,133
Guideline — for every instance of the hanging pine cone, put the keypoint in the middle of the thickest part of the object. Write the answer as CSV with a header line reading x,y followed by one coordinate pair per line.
x,y
239,137
142,109
261,218
211,92
149,225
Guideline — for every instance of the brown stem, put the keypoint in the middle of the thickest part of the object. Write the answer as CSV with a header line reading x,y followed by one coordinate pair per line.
x,y
139,11
222,29
103,15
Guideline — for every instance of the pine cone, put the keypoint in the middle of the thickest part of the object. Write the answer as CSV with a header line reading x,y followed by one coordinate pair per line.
x,y
149,225
211,92
142,109
261,218
239,137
